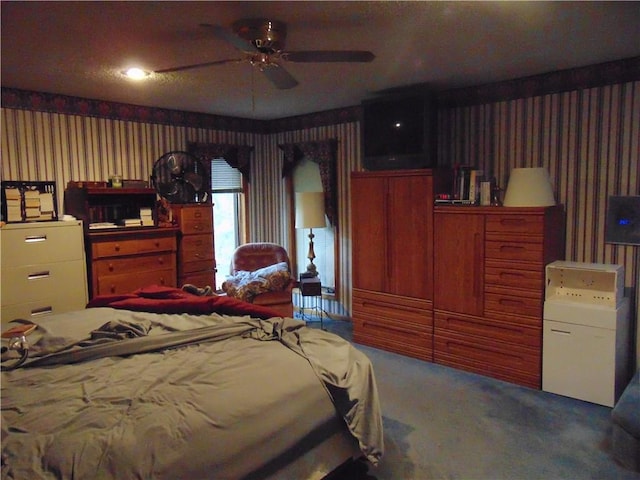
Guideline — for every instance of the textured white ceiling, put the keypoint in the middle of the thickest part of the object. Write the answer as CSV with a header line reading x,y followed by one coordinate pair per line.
x,y
79,48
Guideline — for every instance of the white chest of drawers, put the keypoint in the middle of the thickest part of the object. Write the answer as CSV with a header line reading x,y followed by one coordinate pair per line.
x,y
43,269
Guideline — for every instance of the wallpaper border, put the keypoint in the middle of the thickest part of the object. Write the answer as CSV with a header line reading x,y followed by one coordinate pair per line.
x,y
619,71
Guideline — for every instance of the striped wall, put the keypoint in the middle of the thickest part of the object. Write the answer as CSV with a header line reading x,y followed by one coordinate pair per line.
x,y
588,139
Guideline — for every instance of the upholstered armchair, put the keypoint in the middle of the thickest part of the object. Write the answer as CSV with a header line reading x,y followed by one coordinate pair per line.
x,y
260,273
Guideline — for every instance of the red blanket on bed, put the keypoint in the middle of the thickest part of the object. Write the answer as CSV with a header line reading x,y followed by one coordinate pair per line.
x,y
157,299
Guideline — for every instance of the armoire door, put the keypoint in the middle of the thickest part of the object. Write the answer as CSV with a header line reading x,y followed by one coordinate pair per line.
x,y
368,207
409,236
459,262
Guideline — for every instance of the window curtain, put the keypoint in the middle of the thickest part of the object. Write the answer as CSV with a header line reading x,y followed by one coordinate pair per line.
x,y
324,154
237,156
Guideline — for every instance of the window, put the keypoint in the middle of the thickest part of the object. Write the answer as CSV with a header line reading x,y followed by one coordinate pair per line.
x,y
306,178
228,214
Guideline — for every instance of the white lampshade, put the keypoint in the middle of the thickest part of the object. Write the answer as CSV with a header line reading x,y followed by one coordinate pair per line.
x,y
529,187
310,210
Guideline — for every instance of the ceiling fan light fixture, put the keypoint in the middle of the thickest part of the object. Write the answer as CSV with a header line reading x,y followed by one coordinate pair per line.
x,y
135,73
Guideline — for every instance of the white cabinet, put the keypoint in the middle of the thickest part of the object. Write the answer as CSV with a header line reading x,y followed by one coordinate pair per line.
x,y
43,269
586,334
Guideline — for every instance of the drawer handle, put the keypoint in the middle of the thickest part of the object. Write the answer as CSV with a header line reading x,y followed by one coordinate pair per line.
x,y
197,214
510,275
197,255
35,238
38,275
513,221
562,332
116,247
197,227
511,248
507,301
112,289
111,267
157,244
389,327
41,311
161,280
161,260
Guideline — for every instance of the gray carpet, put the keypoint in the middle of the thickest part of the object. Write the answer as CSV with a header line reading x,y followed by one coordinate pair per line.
x,y
442,423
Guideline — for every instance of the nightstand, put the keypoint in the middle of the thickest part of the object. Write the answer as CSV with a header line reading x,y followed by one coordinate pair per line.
x,y
312,288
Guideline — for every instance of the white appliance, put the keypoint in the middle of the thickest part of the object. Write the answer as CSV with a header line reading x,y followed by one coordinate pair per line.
x,y
586,335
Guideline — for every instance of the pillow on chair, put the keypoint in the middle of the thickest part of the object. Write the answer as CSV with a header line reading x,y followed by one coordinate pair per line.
x,y
246,285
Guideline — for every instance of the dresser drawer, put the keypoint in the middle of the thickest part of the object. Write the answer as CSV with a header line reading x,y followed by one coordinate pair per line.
x,y
199,279
512,250
132,246
55,242
196,220
398,310
30,283
196,247
126,283
509,274
513,363
520,302
515,224
509,329
133,265
74,299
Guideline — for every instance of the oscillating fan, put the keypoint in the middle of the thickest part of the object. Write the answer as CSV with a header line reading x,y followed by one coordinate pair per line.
x,y
180,177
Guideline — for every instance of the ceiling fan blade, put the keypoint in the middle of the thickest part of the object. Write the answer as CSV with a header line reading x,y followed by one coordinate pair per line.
x,y
279,76
329,56
231,38
198,65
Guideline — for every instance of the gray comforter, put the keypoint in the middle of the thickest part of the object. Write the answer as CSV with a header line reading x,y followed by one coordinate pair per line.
x,y
116,394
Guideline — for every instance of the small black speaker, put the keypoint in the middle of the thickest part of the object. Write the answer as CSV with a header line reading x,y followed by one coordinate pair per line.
x,y
623,220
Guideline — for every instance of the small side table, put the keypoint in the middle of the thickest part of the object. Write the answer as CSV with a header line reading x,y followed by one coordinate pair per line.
x,y
312,287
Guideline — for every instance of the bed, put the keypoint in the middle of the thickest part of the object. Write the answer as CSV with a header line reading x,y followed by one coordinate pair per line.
x,y
162,384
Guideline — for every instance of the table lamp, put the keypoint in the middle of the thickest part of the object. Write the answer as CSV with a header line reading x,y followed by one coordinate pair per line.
x,y
529,187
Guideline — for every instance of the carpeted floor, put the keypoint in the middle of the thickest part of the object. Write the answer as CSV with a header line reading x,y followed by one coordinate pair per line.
x,y
442,423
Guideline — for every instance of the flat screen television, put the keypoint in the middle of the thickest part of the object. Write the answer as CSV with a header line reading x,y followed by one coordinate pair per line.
x,y
399,132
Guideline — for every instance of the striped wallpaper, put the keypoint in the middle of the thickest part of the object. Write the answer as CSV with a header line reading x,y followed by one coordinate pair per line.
x,y
588,139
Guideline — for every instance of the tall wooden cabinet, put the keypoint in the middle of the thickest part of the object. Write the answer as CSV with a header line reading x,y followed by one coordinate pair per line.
x,y
196,259
392,214
489,288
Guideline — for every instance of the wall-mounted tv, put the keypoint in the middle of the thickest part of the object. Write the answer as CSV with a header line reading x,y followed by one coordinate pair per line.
x,y
399,132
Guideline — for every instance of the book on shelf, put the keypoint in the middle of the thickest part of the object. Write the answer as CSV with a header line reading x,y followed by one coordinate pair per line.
x,y
466,185
132,222
146,217
101,225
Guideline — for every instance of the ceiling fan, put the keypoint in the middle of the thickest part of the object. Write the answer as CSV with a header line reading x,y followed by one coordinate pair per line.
x,y
262,43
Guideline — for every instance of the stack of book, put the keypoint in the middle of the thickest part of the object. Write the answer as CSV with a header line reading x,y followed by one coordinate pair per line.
x,y
146,217
131,222
14,200
32,204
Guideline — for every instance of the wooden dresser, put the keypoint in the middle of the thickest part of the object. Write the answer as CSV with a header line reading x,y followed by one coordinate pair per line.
x,y
43,269
392,215
489,267
125,259
196,259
